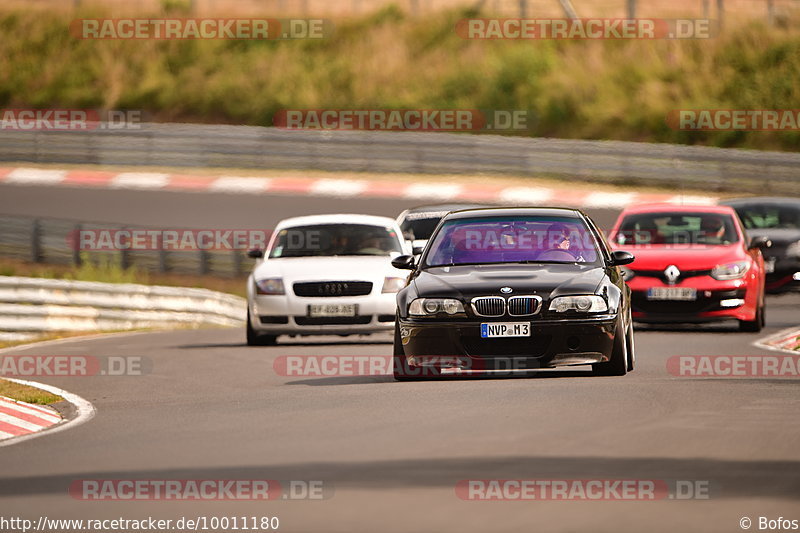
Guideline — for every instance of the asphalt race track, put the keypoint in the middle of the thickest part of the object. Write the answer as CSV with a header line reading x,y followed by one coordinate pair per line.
x,y
390,454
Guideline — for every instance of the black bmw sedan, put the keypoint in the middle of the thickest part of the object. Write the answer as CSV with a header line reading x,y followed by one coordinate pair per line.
x,y
506,289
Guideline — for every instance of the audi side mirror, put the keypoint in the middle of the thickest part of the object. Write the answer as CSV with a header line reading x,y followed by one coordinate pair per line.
x,y
620,258
403,262
255,253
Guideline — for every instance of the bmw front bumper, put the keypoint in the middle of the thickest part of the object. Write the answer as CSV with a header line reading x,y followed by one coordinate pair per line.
x,y
553,343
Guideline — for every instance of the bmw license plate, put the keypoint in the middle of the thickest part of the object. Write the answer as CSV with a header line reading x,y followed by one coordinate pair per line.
x,y
505,329
324,310
682,294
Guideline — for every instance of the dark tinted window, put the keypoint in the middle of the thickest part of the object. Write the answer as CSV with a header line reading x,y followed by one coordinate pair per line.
x,y
420,228
512,240
335,239
677,228
769,216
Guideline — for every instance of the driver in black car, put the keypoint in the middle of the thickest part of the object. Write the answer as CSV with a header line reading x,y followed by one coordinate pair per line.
x,y
559,238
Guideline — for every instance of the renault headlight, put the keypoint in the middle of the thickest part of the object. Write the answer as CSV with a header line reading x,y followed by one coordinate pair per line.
x,y
582,304
270,286
729,271
435,306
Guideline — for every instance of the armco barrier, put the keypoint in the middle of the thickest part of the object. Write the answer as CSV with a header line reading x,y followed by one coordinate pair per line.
x,y
47,240
47,305
197,145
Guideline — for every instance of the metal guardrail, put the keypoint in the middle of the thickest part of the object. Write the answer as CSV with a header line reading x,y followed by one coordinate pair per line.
x,y
679,166
47,240
29,305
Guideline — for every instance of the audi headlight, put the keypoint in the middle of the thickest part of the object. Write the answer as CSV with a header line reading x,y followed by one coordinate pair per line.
x,y
435,306
729,271
627,273
393,284
793,249
581,304
270,286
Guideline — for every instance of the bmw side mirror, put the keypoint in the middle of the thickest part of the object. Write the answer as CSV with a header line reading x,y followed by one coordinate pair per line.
x,y
620,258
760,242
403,262
255,253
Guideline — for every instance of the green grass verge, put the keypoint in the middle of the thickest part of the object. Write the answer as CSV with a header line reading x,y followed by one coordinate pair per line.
x,y
609,89
25,393
106,269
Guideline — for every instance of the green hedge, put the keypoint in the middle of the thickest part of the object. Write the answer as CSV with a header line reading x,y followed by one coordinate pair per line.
x,y
578,89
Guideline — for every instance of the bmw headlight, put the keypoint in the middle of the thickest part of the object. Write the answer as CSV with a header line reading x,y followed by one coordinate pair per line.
x,y
393,284
270,286
435,306
581,304
729,271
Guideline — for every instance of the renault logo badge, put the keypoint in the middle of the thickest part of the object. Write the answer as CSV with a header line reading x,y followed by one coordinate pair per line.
x,y
672,273
506,290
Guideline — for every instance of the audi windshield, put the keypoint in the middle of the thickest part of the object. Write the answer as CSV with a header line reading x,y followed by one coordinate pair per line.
x,y
325,240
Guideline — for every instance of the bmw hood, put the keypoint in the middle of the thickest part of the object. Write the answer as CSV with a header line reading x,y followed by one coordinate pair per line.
x,y
547,281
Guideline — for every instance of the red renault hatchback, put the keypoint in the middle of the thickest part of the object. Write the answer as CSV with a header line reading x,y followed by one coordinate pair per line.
x,y
693,264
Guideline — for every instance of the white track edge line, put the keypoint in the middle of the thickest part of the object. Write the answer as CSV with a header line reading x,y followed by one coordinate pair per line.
x,y
762,342
67,340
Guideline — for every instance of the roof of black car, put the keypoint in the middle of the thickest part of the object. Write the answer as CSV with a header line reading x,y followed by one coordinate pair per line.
x,y
515,211
437,208
768,200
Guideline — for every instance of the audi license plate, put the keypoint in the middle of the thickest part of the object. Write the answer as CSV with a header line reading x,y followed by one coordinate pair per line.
x,y
505,329
324,310
682,294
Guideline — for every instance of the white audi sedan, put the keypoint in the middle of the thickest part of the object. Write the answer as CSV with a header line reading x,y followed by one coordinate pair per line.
x,y
325,275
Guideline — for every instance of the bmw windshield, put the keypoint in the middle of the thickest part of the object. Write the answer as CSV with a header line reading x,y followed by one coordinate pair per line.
x,y
495,240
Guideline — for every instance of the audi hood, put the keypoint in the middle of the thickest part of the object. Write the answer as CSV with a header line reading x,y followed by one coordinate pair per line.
x,y
331,268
